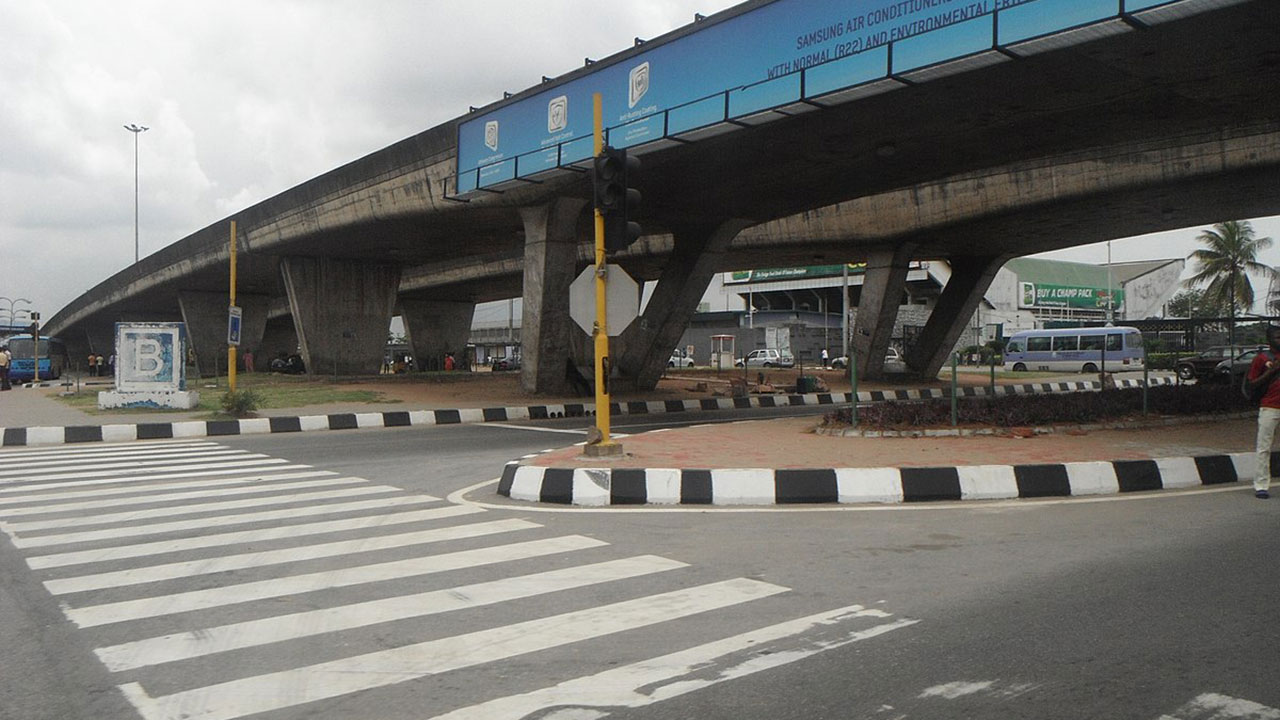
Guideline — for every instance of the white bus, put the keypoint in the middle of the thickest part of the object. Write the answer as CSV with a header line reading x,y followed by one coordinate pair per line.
x,y
1075,350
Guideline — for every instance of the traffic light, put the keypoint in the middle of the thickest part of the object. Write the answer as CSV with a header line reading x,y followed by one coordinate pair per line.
x,y
612,172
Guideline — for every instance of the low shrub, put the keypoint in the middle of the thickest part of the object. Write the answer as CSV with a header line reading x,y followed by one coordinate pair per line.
x,y
1163,360
1067,408
240,403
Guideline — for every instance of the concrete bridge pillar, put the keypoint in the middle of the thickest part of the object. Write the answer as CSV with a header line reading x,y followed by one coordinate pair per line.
x,y
971,276
436,327
883,284
205,314
646,345
550,261
341,311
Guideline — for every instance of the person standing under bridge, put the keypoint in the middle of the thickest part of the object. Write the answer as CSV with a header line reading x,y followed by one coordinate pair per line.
x,y
1263,371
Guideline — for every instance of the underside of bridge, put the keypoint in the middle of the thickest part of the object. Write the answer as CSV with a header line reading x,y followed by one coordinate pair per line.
x,y
1164,126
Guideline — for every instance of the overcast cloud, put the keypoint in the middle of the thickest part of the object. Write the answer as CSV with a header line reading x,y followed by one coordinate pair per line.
x,y
248,98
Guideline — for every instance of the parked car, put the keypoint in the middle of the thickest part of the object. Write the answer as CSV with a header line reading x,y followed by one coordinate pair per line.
x,y
506,363
1232,371
892,356
1205,364
679,359
768,357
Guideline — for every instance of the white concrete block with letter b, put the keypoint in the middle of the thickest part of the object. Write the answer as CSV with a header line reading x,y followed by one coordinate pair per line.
x,y
150,368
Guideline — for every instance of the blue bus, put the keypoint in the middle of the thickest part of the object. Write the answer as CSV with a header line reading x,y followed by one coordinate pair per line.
x,y
1076,350
53,358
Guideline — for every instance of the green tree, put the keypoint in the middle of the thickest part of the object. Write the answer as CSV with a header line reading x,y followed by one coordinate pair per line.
x,y
1224,265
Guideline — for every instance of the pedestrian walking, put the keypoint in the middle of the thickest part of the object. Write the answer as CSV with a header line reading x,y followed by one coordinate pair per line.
x,y
102,366
826,359
5,359
93,365
248,361
1262,373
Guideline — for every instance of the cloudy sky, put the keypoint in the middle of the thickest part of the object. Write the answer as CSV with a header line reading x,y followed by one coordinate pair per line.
x,y
246,98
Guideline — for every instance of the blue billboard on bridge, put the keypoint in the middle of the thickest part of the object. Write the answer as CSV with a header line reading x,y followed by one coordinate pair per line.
x,y
761,61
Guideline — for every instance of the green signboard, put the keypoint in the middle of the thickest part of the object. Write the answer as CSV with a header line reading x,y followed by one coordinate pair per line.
x,y
1045,295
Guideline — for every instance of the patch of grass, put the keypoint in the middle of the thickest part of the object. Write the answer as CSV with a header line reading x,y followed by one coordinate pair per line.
x,y
270,391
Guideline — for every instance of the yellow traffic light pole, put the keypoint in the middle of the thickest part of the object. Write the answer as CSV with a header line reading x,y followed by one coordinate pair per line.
x,y
605,446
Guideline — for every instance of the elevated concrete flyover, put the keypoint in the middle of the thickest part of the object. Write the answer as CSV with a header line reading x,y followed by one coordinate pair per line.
x,y
1120,132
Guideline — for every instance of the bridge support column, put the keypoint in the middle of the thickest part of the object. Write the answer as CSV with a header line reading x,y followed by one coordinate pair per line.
x,y
437,327
882,288
205,314
341,311
550,259
646,345
970,278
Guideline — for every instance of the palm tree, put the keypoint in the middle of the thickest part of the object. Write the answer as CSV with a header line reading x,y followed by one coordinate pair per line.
x,y
1224,265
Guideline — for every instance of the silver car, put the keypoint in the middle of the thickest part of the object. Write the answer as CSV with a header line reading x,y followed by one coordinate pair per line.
x,y
767,357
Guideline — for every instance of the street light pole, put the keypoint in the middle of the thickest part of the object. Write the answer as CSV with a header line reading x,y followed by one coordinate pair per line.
x,y
12,302
136,130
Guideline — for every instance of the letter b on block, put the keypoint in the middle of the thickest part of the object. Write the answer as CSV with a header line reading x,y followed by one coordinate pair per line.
x,y
147,360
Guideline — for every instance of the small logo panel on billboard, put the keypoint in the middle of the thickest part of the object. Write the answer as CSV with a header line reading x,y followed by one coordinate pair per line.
x,y
558,114
639,84
491,135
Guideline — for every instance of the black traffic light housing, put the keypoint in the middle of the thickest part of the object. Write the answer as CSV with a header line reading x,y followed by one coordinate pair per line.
x,y
613,171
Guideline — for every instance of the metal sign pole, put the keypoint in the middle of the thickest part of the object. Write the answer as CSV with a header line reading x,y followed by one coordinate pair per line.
x,y
231,348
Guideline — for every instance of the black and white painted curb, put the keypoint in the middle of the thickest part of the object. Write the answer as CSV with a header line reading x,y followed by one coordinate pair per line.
x,y
605,486
19,436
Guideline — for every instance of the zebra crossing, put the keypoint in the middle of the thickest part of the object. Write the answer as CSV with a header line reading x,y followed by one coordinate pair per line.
x,y
218,583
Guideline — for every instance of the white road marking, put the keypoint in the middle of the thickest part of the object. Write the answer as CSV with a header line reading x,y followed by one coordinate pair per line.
x,y
220,521
228,473
225,468
179,511
265,558
1212,706
682,672
220,492
135,489
115,468
125,610
289,688
532,428
8,457
17,468
208,641
162,547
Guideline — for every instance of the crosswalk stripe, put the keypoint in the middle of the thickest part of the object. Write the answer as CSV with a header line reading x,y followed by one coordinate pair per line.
x,y
288,688
242,561
221,521
179,511
88,462
161,547
1213,706
225,469
235,490
126,610
253,633
8,457
134,489
665,677
115,468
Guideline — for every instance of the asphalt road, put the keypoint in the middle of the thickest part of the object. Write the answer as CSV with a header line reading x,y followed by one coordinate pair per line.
x,y
1146,606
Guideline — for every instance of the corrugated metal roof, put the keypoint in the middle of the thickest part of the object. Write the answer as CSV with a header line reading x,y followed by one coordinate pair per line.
x,y
1061,272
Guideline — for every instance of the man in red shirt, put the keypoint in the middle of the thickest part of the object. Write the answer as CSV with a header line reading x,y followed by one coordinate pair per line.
x,y
1265,368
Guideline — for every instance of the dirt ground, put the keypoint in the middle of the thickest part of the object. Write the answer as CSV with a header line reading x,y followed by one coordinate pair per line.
x,y
494,389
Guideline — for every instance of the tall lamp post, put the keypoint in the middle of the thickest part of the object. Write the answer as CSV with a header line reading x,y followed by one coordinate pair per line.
x,y
136,130
12,302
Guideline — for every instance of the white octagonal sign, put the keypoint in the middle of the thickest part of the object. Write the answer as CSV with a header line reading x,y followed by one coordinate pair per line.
x,y
622,299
